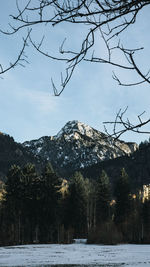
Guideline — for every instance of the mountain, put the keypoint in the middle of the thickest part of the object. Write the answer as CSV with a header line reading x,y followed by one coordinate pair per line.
x,y
136,165
77,146
14,153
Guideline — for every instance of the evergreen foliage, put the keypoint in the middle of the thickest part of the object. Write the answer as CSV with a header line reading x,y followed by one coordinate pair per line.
x,y
136,165
49,219
103,198
123,197
43,208
146,221
77,205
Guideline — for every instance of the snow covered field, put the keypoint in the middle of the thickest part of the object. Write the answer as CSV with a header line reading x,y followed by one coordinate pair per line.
x,y
76,254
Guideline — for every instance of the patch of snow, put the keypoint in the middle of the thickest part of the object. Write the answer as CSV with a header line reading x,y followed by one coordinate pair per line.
x,y
27,144
81,165
39,149
73,127
96,255
80,241
59,155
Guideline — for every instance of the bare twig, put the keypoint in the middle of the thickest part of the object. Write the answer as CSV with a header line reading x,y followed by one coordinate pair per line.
x,y
109,18
126,125
22,58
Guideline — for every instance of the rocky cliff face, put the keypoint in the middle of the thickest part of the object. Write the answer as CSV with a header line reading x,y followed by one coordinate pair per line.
x,y
77,146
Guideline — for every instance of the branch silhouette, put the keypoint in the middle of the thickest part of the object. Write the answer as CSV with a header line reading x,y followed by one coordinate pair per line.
x,y
107,18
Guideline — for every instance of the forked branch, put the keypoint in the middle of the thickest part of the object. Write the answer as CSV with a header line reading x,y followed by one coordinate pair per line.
x,y
122,125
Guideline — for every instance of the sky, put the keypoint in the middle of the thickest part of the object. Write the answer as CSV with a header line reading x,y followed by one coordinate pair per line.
x,y
28,107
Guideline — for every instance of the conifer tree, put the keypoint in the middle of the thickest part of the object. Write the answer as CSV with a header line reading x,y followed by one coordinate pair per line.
x,y
77,205
123,197
14,203
50,196
103,198
31,208
90,189
14,184
146,221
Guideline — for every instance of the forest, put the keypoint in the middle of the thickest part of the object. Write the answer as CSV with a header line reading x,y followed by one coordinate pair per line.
x,y
38,205
45,208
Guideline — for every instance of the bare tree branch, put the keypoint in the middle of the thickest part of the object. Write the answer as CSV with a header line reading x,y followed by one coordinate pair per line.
x,y
108,18
21,59
126,125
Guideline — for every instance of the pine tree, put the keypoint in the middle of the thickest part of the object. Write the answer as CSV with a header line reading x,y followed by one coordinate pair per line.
x,y
14,184
31,181
77,206
146,221
49,205
103,198
14,203
123,198
90,189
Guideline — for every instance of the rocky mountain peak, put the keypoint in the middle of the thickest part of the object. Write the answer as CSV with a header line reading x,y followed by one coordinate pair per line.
x,y
78,145
73,129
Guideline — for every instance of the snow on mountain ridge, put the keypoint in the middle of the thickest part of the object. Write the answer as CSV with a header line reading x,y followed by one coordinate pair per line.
x,y
73,127
78,145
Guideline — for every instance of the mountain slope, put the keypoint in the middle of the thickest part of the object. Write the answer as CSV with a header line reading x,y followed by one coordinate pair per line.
x,y
136,165
14,153
77,146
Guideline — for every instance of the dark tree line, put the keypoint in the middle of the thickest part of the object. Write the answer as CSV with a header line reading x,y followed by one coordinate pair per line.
x,y
44,208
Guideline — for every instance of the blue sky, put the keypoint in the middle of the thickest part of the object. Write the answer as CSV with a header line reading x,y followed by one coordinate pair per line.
x,y
28,108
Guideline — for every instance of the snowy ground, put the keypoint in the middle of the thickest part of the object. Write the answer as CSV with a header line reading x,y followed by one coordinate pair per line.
x,y
76,254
